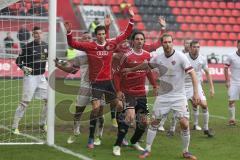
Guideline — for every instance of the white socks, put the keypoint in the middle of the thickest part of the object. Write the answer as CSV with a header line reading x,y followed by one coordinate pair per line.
x,y
19,114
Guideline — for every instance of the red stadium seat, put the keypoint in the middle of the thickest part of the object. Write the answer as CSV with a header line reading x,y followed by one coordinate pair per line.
x,y
193,27
197,4
218,12
232,36
140,26
137,18
77,2
211,43
237,5
223,20
219,43
228,43
135,9
236,28
219,28
185,11
214,4
206,19
180,3
189,34
228,28
206,4
184,27
227,12
238,36
189,4
116,9
235,12
232,20
198,35
223,36
189,19
202,12
238,20
193,11
202,27
206,35
179,35
153,34
180,19
211,27
222,5
203,42
215,20
230,5
197,19
172,3
176,11
215,35
210,12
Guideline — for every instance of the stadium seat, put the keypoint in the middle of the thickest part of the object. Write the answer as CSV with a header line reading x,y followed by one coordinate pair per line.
x,y
184,11
214,20
206,35
193,27
227,12
238,20
215,35
172,3
193,11
203,42
214,4
153,34
228,28
236,28
188,34
77,2
180,3
223,36
218,12
228,43
197,4
116,9
223,20
222,5
220,43
197,35
176,11
189,4
219,28
180,19
189,19
211,43
206,19
137,18
232,20
202,27
230,5
235,12
232,36
211,27
210,12
206,4
197,19
237,5
179,35
202,12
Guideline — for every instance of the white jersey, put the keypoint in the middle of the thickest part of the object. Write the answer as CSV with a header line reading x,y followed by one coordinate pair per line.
x,y
81,61
199,64
233,62
172,74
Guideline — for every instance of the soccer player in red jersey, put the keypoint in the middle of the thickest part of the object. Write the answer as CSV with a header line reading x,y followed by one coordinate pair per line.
x,y
99,54
132,85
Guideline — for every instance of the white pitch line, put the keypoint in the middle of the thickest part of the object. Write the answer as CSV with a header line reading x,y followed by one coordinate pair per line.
x,y
59,148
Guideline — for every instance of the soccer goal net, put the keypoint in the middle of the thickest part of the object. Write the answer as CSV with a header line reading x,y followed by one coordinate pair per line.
x,y
24,39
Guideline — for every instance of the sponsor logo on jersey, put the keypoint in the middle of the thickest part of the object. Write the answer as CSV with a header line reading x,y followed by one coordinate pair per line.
x,y
173,62
102,53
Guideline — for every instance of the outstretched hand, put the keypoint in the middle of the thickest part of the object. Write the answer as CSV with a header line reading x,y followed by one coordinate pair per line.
x,y
68,26
107,20
162,21
131,12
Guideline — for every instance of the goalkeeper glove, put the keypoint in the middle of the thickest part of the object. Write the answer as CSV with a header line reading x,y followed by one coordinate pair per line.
x,y
26,70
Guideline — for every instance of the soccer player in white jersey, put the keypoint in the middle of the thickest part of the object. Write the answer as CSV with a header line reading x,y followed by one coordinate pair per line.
x,y
199,63
233,81
172,66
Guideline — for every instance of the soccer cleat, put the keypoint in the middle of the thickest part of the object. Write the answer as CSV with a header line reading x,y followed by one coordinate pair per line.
x,y
170,133
90,144
97,142
231,122
137,146
197,128
72,139
15,131
161,128
144,154
209,133
189,156
114,122
116,151
43,128
125,142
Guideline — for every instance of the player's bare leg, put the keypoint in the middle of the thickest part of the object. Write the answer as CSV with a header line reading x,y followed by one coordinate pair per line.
x,y
231,110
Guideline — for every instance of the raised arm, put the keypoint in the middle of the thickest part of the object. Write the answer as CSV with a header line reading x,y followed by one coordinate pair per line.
x,y
107,23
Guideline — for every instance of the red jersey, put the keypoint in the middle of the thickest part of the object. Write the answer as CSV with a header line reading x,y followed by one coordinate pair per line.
x,y
133,83
100,56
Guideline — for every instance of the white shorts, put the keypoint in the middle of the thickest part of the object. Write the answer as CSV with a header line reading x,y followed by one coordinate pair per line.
x,y
178,107
34,86
189,93
233,92
85,95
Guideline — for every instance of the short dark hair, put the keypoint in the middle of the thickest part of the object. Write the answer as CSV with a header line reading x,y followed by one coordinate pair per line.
x,y
99,28
35,28
135,33
165,35
193,42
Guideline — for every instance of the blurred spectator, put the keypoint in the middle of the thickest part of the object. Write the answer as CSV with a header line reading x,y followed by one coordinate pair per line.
x,y
23,9
92,26
23,35
6,11
212,59
124,6
8,41
38,9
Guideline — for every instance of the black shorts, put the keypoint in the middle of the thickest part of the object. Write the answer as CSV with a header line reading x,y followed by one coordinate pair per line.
x,y
139,103
103,88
